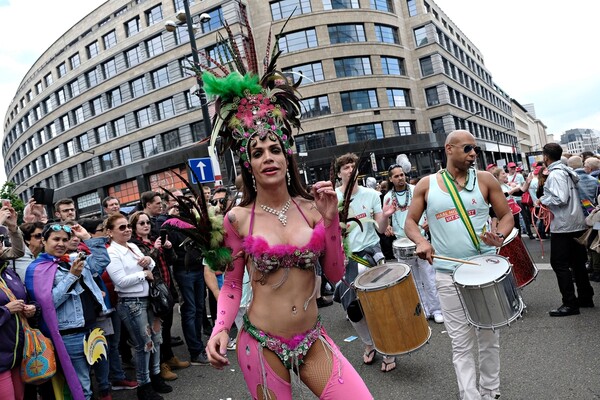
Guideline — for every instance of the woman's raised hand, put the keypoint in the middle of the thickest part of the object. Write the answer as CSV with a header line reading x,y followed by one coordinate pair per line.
x,y
326,200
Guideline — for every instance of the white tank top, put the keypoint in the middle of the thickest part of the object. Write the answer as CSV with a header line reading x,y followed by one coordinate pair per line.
x,y
449,236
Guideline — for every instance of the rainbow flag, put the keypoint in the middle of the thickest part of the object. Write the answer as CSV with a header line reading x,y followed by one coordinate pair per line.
x,y
587,205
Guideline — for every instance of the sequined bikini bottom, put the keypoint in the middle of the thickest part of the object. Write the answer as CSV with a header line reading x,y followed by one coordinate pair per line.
x,y
291,352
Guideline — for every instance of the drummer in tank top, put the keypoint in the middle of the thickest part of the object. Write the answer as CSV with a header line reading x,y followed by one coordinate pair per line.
x,y
450,238
401,196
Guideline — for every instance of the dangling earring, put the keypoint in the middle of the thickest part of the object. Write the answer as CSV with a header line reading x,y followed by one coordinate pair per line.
x,y
254,183
289,178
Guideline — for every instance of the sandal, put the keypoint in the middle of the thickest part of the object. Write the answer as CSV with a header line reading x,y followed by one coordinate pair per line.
x,y
369,357
385,364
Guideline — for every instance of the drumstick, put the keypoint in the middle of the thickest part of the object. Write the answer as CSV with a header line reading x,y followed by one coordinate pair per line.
x,y
458,260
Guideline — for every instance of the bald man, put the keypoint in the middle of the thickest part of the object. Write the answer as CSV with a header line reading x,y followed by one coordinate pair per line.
x,y
449,237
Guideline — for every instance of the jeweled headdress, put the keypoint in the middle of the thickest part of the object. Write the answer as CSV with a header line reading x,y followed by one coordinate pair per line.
x,y
249,107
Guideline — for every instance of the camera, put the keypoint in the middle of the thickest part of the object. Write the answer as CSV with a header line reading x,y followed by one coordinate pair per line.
x,y
81,256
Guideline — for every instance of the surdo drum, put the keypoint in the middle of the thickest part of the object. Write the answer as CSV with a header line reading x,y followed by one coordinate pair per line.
x,y
488,292
404,249
390,303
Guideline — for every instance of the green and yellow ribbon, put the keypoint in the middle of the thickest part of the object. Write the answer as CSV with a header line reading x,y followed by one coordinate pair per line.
x,y
460,208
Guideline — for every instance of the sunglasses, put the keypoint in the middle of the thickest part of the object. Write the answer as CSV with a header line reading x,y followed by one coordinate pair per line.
x,y
220,201
123,227
37,236
56,228
142,223
468,148
391,167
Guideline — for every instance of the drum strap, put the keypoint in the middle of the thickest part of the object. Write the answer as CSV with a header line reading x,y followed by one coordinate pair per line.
x,y
360,260
460,208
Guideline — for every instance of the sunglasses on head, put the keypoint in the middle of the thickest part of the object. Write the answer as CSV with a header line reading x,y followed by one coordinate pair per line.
x,y
391,167
56,228
123,227
469,147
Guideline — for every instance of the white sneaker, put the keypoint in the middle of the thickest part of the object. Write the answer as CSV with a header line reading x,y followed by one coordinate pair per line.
x,y
438,318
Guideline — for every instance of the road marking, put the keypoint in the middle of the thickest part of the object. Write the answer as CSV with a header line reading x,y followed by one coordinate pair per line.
x,y
543,266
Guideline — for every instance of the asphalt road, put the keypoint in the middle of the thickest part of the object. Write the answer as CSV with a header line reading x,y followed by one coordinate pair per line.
x,y
541,357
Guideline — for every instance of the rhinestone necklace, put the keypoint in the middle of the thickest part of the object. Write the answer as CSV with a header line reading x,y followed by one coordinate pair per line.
x,y
280,214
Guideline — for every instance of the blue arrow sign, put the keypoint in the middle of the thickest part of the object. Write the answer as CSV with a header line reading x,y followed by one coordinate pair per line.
x,y
202,167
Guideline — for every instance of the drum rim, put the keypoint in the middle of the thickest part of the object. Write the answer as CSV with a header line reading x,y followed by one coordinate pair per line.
x,y
413,244
485,284
493,327
390,284
408,351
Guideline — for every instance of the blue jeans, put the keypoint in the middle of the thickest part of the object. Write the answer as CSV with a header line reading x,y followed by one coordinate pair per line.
x,y
145,331
74,345
191,285
116,372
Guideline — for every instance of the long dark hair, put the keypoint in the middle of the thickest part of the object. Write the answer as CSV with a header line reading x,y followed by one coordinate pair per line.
x,y
295,188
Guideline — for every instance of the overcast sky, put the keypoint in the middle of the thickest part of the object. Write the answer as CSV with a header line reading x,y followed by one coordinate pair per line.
x,y
541,52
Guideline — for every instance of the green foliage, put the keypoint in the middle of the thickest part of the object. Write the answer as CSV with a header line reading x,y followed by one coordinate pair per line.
x,y
8,192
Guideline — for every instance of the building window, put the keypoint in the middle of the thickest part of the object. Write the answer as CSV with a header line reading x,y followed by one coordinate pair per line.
x,y
181,36
83,141
138,86
398,97
171,140
340,4
359,100
431,94
101,134
114,98
192,100
154,46
383,5
315,107
48,80
69,148
198,131
62,70
392,66
91,78
219,53
421,36
149,147
74,88
315,140
363,133
346,33
160,77
132,57
78,115
179,4
284,8
437,125
387,34
106,162
143,117
74,61
64,121
132,26
39,87
215,22
309,73
96,106
48,106
298,40
60,97
88,168
154,15
124,155
118,127
166,109
73,174
110,39
426,66
109,68
356,66
92,49
412,7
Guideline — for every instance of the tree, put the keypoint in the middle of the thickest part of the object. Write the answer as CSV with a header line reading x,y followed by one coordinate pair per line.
x,y
8,193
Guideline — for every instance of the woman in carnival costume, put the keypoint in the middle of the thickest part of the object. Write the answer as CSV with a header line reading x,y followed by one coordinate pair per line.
x,y
278,232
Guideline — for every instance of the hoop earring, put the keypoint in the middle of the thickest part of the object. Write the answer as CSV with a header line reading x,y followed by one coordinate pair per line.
x,y
254,183
289,178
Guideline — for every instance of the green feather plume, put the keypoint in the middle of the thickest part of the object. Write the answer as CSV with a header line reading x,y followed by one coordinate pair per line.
x,y
232,85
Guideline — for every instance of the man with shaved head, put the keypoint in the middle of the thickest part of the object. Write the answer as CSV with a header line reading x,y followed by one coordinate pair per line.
x,y
450,237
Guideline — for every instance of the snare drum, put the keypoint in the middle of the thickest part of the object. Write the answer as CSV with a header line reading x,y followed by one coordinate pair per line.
x,y
488,292
523,268
390,303
404,249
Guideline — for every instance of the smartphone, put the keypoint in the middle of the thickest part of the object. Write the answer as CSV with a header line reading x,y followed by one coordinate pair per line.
x,y
38,195
163,236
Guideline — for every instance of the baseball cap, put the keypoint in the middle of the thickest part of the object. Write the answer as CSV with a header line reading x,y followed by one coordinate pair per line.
x,y
490,166
519,169
511,165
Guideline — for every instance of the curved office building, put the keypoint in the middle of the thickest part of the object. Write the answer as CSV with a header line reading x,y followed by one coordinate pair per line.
x,y
110,108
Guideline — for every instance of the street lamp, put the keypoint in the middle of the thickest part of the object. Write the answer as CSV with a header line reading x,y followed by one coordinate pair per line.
x,y
185,18
472,115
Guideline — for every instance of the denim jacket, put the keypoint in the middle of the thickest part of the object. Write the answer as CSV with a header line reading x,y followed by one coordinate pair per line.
x,y
66,293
